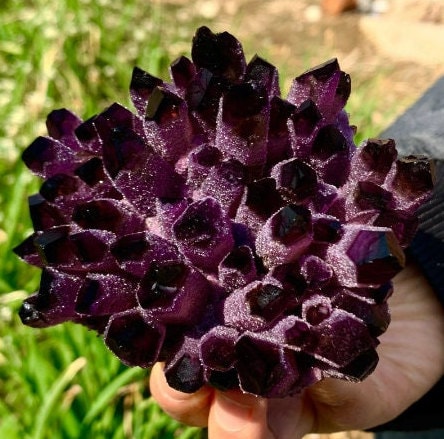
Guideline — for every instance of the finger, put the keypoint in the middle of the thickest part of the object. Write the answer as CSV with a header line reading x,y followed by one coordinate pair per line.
x,y
188,408
291,417
238,416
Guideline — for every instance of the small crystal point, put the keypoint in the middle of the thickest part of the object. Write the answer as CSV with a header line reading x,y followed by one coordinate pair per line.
x,y
239,259
343,89
30,316
91,171
263,198
143,82
62,123
89,246
329,141
379,154
296,180
88,294
161,283
43,214
221,53
53,245
268,301
322,71
58,185
134,339
40,152
327,229
415,173
244,101
262,72
372,196
141,86
292,223
377,255
182,72
305,118
98,214
361,366
186,375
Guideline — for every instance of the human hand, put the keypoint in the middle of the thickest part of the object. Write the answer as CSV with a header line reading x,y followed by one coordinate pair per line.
x,y
411,361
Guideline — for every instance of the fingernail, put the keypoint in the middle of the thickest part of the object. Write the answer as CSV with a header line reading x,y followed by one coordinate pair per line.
x,y
178,396
203,392
231,415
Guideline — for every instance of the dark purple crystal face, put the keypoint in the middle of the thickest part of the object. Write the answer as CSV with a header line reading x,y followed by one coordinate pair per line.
x,y
292,223
269,301
296,180
133,338
376,254
237,235
415,175
161,283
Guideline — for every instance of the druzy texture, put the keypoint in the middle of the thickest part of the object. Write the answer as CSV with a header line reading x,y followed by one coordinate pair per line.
x,y
235,235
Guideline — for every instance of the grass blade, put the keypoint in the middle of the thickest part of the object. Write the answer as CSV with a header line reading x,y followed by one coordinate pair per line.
x,y
108,393
53,396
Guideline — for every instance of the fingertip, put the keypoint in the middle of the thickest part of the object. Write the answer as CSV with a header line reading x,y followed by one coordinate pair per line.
x,y
188,408
159,386
237,415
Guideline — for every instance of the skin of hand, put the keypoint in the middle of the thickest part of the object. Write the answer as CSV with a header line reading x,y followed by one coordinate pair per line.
x,y
411,361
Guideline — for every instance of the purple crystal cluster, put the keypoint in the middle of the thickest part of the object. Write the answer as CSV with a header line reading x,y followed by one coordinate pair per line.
x,y
235,235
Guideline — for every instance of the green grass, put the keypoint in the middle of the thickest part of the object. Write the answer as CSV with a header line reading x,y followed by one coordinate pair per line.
x,y
61,382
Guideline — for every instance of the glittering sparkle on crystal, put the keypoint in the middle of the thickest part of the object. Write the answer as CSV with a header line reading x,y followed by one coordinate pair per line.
x,y
236,235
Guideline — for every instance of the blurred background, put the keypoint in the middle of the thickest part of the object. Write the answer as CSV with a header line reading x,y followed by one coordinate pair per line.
x,y
79,54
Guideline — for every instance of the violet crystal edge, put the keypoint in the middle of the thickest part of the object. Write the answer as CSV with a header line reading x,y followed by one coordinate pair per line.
x,y
235,235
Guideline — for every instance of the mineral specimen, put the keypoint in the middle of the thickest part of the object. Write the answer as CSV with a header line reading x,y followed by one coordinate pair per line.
x,y
235,235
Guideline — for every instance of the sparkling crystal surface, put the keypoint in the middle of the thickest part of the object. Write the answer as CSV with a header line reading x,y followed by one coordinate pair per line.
x,y
237,235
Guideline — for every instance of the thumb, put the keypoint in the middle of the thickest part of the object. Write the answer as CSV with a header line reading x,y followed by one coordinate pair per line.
x,y
236,415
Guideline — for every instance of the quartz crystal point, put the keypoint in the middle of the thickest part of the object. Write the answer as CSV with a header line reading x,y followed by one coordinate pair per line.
x,y
236,235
